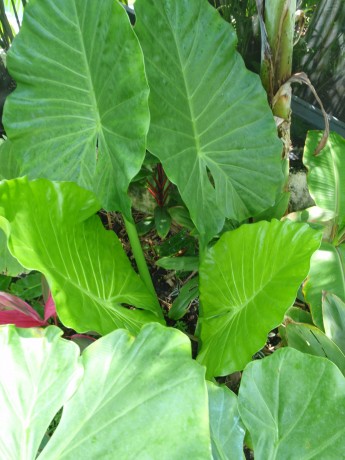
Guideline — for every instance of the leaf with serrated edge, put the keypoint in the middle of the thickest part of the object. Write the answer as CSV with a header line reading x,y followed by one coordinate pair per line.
x,y
248,280
52,228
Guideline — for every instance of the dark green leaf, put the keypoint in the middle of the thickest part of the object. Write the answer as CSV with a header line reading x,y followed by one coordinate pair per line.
x,y
162,221
187,264
189,292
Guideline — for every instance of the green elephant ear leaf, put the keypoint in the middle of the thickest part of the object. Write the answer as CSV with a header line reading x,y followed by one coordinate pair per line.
x,y
333,313
80,110
211,126
326,177
248,280
39,372
310,339
51,227
303,385
146,398
327,273
9,266
227,432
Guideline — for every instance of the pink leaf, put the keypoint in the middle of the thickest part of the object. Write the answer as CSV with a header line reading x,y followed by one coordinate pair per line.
x,y
14,310
50,309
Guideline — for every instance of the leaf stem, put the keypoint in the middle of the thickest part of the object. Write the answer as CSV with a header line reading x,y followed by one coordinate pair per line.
x,y
139,255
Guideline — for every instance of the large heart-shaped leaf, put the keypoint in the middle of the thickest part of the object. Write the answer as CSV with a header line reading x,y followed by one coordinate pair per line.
x,y
227,432
39,371
293,405
326,177
211,126
80,109
247,282
327,273
142,398
51,228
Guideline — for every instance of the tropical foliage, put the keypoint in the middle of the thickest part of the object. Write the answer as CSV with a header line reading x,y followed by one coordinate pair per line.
x,y
93,94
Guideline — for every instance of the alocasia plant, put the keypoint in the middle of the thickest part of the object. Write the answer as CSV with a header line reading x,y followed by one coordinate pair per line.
x,y
81,113
247,282
112,395
88,272
293,405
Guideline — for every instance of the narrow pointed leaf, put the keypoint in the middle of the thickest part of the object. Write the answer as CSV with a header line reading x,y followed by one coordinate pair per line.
x,y
326,176
333,313
80,110
39,371
14,310
146,399
187,294
247,282
280,400
89,275
327,273
227,432
211,126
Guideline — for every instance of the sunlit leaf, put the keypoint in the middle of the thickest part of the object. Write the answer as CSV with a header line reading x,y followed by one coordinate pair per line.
x,y
52,228
248,280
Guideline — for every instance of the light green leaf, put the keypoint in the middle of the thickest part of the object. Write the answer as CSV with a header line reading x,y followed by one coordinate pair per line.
x,y
211,126
327,273
293,404
227,432
9,266
333,313
146,399
80,110
39,372
326,177
52,228
310,339
248,280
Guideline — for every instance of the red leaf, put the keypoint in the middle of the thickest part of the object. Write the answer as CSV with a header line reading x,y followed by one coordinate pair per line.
x,y
14,310
50,309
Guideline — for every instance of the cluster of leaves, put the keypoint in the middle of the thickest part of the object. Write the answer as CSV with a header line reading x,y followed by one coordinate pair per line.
x,y
92,95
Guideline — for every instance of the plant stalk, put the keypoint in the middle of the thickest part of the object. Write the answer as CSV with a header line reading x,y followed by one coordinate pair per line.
x,y
139,255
